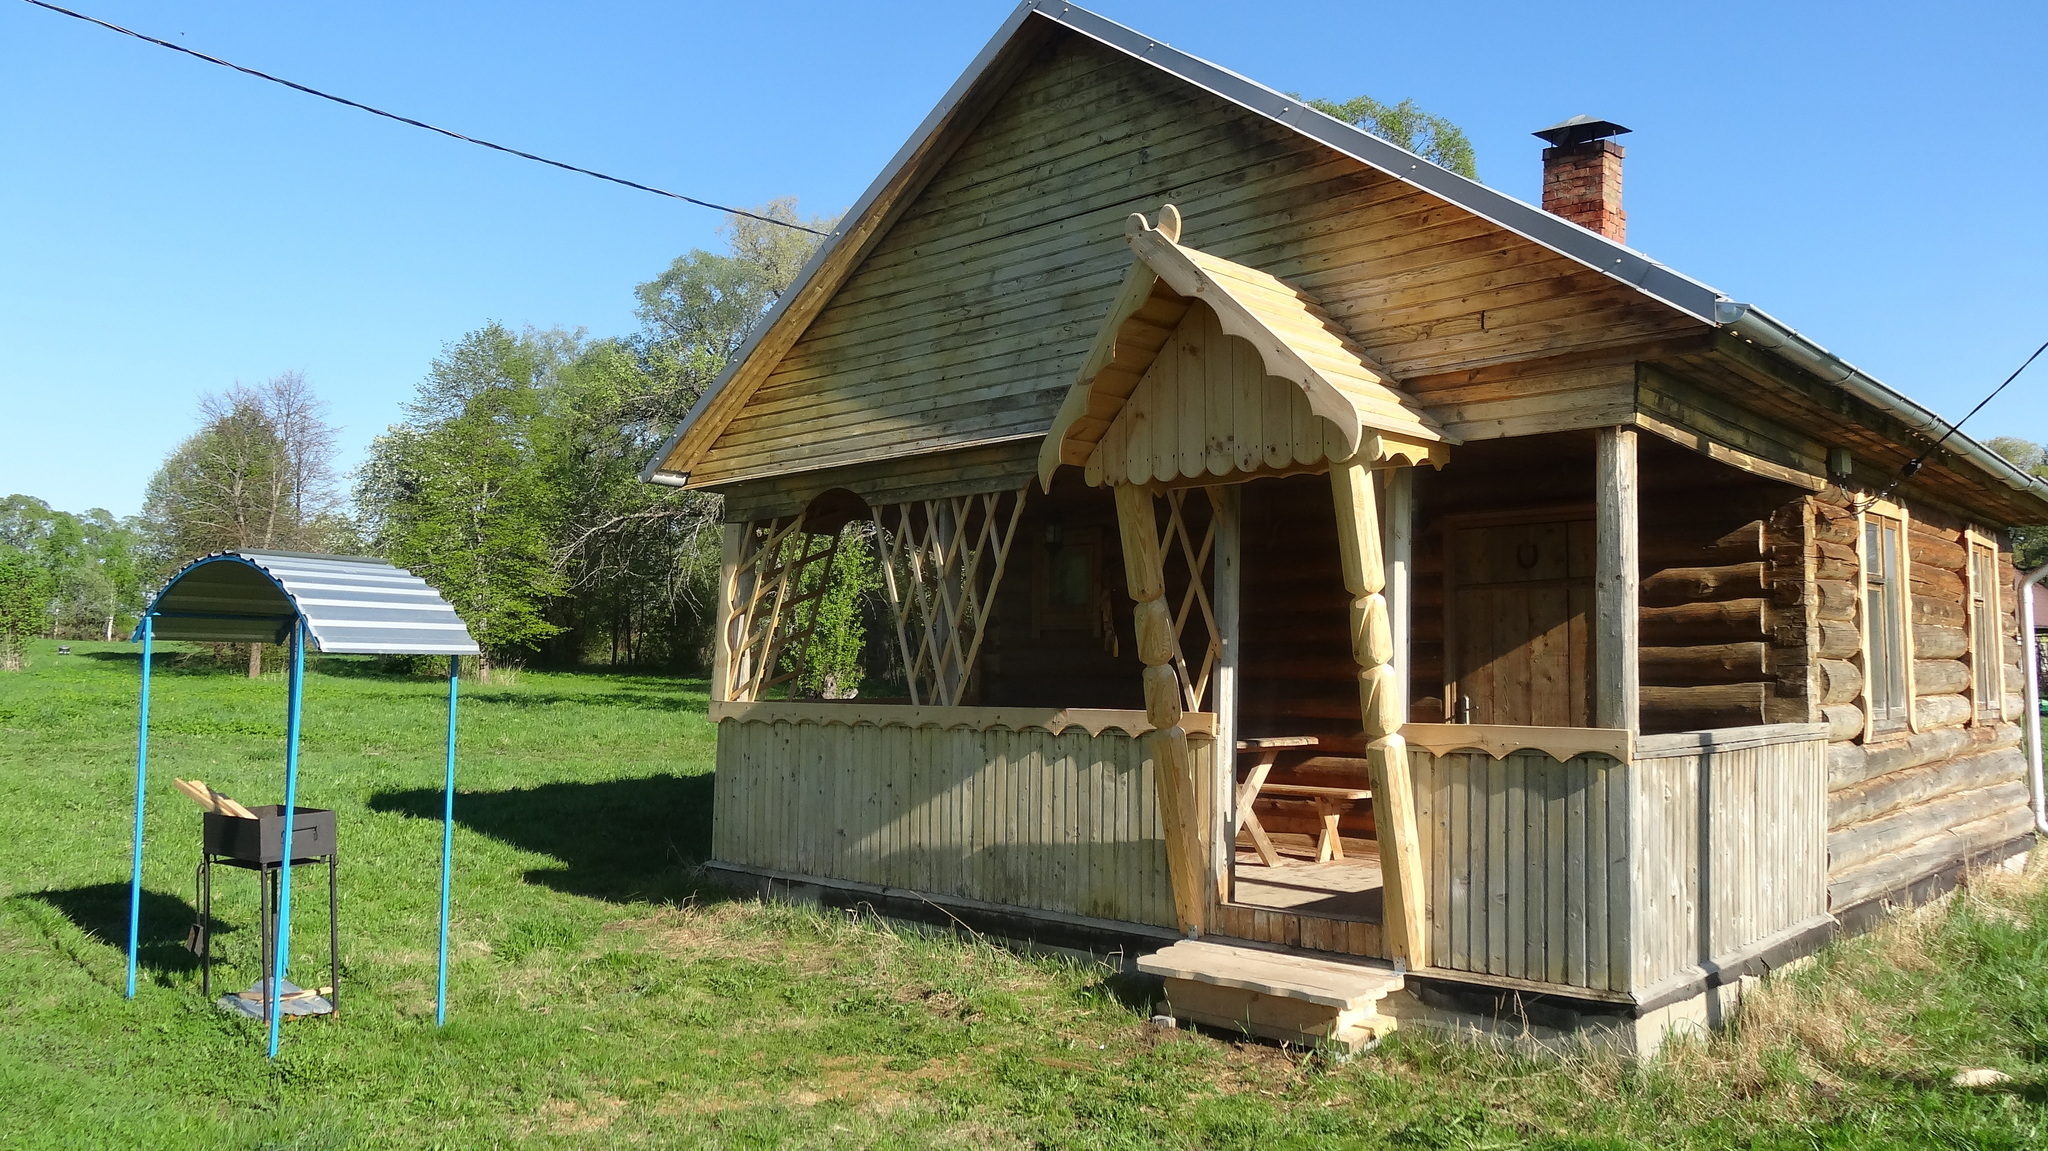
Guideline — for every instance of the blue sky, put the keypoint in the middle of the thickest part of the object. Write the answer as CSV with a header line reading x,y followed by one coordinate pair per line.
x,y
1871,173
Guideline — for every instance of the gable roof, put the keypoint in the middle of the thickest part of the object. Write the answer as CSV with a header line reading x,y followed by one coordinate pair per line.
x,y
1034,21
1294,338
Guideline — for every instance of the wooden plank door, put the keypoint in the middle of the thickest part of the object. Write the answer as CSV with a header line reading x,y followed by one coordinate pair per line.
x,y
1520,599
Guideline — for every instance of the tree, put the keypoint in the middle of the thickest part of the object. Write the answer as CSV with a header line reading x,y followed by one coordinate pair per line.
x,y
463,493
1426,134
641,560
258,474
89,564
834,624
698,312
2029,543
23,600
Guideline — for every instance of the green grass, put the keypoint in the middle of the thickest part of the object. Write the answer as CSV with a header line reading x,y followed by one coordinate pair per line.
x,y
605,994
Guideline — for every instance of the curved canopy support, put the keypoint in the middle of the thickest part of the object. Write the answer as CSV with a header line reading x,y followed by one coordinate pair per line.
x,y
350,605
341,604
1295,341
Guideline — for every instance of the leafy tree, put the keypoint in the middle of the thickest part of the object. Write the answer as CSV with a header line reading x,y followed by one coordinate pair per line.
x,y
640,560
257,474
23,598
698,312
1426,134
514,485
830,656
90,567
2029,543
464,491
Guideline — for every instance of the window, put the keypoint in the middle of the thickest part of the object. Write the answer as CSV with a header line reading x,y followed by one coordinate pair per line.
x,y
1987,679
1886,643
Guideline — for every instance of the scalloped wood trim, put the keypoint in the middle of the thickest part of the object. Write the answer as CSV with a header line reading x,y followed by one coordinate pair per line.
x,y
853,712
1292,337
1502,740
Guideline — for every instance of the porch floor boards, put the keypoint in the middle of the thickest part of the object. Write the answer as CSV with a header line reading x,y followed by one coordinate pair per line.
x,y
1348,888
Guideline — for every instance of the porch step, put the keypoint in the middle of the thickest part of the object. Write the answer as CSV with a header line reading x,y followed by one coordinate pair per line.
x,y
1288,996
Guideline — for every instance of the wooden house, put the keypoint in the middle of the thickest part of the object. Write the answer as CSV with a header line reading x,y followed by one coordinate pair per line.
x,y
1388,599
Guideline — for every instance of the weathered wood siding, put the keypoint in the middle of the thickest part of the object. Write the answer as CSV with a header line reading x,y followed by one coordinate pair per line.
x,y
964,322
1590,873
1207,407
1064,822
1762,805
1906,804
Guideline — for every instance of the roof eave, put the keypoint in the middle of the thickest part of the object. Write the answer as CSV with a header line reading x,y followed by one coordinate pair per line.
x,y
934,122
1781,339
1587,247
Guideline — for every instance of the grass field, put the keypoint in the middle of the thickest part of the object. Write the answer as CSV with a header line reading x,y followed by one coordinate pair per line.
x,y
604,994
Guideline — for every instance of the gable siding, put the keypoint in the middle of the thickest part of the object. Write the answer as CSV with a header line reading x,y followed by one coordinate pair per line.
x,y
965,322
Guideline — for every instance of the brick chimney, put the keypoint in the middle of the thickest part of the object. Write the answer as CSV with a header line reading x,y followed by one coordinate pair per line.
x,y
1582,175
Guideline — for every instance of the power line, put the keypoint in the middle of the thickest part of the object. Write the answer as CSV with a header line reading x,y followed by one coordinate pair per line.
x,y
420,123
1912,467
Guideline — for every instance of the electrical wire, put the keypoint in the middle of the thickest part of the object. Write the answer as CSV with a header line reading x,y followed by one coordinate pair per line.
x,y
1912,467
420,123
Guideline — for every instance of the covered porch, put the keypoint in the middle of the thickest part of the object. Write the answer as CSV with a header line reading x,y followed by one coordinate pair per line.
x,y
1255,669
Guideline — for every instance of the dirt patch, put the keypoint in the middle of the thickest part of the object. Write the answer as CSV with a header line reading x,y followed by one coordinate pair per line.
x,y
582,1116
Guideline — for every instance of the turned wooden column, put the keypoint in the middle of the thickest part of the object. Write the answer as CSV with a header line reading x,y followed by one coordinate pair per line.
x,y
1180,796
1617,682
734,586
1382,709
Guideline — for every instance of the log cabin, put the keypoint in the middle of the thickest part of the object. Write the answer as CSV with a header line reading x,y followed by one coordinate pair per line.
x,y
1375,598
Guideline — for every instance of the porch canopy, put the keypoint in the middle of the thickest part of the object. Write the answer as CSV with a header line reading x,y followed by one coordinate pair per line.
x,y
1205,368
1208,372
341,605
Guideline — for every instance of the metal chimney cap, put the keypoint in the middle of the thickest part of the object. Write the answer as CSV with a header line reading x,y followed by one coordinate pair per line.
x,y
1578,130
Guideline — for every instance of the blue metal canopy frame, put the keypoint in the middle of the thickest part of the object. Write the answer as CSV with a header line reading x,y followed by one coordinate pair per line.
x,y
340,604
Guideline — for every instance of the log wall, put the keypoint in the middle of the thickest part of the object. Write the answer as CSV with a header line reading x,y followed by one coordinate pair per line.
x,y
1903,805
1296,675
1065,822
1039,652
1724,616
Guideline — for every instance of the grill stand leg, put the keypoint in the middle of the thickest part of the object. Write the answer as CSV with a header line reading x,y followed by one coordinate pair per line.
x,y
333,939
205,925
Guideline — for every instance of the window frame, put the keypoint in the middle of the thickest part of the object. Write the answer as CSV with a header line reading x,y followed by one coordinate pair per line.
x,y
1902,718
1986,606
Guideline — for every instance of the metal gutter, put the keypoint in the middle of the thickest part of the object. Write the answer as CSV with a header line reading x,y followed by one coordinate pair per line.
x,y
2031,722
1759,328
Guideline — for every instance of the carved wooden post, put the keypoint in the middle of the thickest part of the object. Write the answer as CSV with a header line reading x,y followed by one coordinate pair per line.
x,y
1180,806
734,588
1381,707
1616,681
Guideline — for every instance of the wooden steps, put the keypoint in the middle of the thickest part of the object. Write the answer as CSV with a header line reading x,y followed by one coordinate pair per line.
x,y
1287,996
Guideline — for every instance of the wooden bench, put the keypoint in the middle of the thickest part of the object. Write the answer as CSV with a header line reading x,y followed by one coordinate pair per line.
x,y
1329,801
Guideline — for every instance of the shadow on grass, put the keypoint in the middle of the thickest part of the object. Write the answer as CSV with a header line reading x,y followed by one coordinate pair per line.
x,y
181,663
620,840
536,700
100,910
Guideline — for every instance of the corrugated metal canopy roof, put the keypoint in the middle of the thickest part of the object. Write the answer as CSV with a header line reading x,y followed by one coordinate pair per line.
x,y
351,605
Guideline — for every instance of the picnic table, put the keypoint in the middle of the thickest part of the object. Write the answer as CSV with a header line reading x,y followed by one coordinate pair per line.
x,y
1329,801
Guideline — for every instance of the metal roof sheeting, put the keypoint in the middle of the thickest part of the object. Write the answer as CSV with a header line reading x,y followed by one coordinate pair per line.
x,y
351,605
